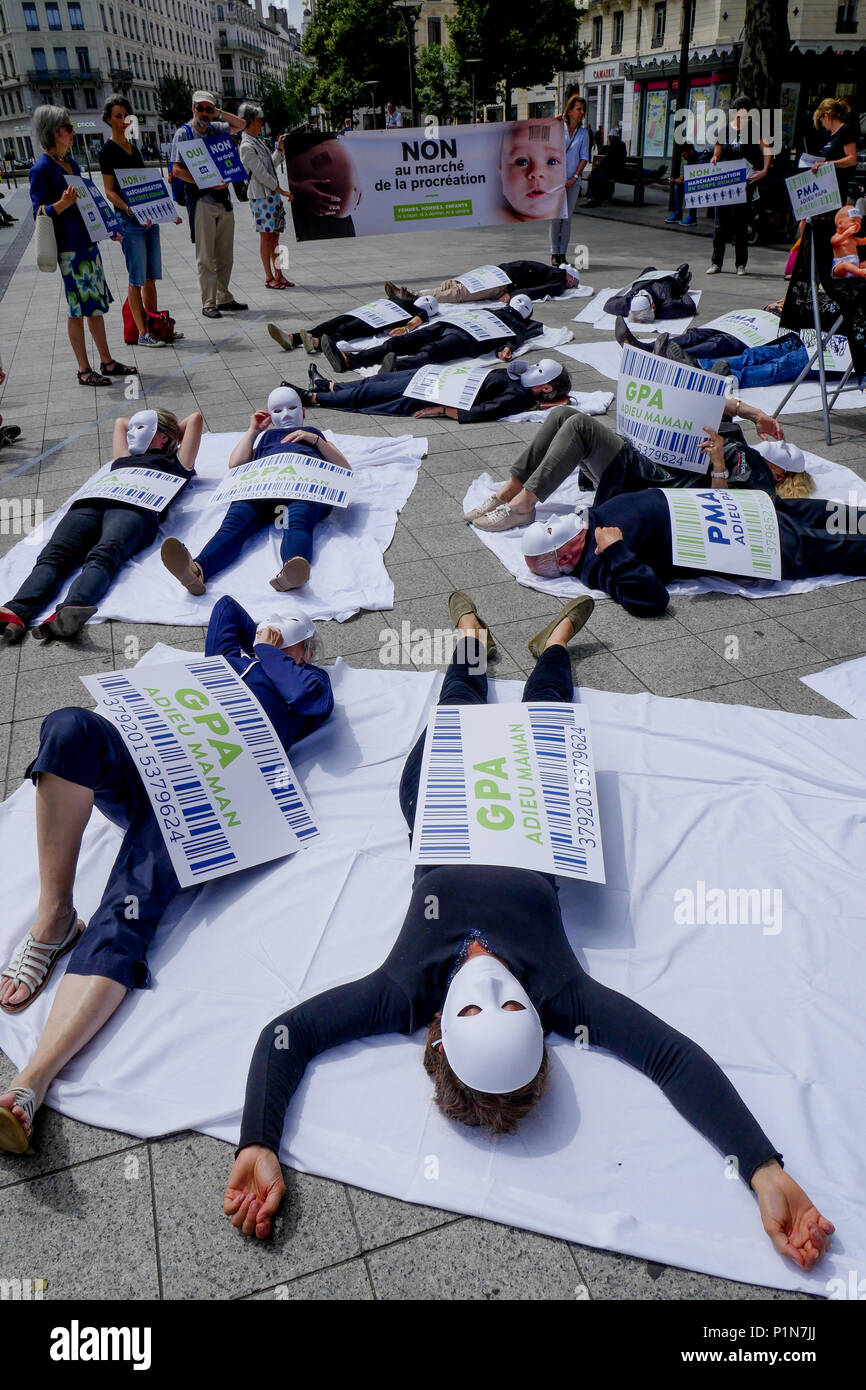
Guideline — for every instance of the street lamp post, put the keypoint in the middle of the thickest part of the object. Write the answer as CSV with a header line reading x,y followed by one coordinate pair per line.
x,y
472,64
372,86
409,12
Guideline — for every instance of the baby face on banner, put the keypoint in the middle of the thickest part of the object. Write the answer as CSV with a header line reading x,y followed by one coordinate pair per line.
x,y
532,168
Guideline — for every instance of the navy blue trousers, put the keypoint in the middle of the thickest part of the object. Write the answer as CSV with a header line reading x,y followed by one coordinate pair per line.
x,y
246,519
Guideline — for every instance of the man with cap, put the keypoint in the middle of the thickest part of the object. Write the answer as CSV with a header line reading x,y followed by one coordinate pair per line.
x,y
277,430
624,545
345,327
569,440
532,278
509,391
447,340
488,976
83,762
212,223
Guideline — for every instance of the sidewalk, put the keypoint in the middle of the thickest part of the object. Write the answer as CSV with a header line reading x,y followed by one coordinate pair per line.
x,y
102,1215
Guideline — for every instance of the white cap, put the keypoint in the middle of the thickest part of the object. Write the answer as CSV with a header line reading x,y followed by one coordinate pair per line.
x,y
427,301
198,97
523,304
294,627
642,309
543,536
783,455
535,374
496,1050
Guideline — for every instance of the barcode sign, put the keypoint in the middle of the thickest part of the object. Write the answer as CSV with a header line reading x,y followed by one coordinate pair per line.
x,y
512,785
724,531
455,385
220,785
135,487
662,407
286,478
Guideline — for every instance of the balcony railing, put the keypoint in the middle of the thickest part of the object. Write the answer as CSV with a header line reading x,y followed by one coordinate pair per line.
x,y
63,76
658,40
121,75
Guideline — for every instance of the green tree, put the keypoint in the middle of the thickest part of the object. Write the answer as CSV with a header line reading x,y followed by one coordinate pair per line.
x,y
174,99
441,88
271,96
353,42
765,51
519,44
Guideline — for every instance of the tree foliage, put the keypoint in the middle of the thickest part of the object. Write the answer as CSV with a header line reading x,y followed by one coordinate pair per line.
x,y
442,88
174,99
354,42
285,104
519,44
765,51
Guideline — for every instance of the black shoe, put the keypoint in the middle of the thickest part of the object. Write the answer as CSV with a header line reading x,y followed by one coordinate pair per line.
x,y
660,347
233,306
211,313
722,367
69,621
302,393
333,354
626,338
318,380
398,291
389,362
675,353
8,434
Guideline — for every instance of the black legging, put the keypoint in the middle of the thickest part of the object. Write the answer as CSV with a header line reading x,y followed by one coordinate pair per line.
x,y
465,683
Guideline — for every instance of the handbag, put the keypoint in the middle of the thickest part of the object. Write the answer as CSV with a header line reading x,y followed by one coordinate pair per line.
x,y
46,242
160,325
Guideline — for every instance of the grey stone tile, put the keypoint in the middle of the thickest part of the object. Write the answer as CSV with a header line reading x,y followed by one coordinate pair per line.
x,y
468,568
7,696
760,647
619,1277
509,601
203,1256
498,458
617,629
598,669
703,612
403,547
456,483
477,1260
5,740
786,688
44,689
381,1220
417,579
742,692
146,635
88,1230
677,667
454,461
340,1283
93,642
450,538
844,637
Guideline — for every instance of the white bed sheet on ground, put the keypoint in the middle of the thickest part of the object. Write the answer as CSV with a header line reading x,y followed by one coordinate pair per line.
x,y
594,313
348,571
844,685
605,1160
605,358
590,402
550,338
832,480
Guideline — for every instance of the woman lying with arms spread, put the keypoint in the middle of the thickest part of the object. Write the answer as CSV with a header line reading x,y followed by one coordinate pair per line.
x,y
496,975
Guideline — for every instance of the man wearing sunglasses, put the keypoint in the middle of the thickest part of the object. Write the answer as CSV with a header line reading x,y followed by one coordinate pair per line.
x,y
212,223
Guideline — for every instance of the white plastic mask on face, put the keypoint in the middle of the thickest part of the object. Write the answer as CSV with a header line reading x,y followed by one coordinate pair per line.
x,y
285,409
140,431
497,1050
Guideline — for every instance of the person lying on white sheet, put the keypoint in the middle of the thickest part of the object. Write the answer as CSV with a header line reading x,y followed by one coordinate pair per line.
x,y
488,979
84,761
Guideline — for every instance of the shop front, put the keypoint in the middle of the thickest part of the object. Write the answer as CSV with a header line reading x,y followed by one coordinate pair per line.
x,y
603,86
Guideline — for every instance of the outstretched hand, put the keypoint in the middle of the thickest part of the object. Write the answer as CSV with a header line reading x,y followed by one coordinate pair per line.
x,y
791,1220
254,1191
767,427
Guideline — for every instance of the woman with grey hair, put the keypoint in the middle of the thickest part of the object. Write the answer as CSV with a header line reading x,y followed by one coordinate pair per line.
x,y
264,193
87,294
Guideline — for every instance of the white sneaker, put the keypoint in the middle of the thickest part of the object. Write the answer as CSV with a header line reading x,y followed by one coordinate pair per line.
x,y
486,506
713,269
741,270
505,518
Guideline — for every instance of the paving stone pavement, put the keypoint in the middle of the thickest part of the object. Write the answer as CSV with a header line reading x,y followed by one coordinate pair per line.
x,y
167,1238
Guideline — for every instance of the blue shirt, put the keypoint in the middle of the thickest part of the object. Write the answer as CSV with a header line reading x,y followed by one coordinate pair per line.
x,y
47,186
270,441
576,149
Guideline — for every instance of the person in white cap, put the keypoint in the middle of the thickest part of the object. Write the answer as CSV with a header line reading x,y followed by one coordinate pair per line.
x,y
787,464
488,978
82,762
446,340
569,441
345,327
278,430
101,534
504,391
212,223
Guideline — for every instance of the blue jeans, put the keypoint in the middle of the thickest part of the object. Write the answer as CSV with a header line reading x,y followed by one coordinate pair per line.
x,y
709,343
769,364
142,252
560,227
381,394
246,519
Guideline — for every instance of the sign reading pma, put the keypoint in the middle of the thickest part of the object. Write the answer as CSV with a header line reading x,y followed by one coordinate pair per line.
x,y
725,532
814,191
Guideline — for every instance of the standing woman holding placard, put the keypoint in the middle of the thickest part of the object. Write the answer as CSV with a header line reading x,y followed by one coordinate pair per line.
x,y
141,247
87,294
264,193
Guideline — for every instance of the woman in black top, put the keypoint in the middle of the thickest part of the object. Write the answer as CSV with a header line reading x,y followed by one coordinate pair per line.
x,y
732,220
840,147
101,535
503,927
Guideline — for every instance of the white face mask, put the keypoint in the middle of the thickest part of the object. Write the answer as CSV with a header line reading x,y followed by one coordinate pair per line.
x,y
285,409
497,1050
140,431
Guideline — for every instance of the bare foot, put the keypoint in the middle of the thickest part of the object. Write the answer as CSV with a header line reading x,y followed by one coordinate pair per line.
x,y
561,634
9,1101
470,627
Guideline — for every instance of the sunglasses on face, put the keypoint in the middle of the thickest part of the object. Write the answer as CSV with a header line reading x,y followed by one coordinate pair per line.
x,y
206,110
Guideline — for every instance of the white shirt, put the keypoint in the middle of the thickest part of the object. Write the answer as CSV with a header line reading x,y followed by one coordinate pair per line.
x,y
393,120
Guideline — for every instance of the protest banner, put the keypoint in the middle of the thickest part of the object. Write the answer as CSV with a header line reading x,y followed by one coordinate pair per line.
x,y
471,175
286,478
510,784
837,353
715,185
147,195
814,191
662,408
455,385
96,212
380,313
211,159
483,325
138,487
218,779
483,277
753,327
725,530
